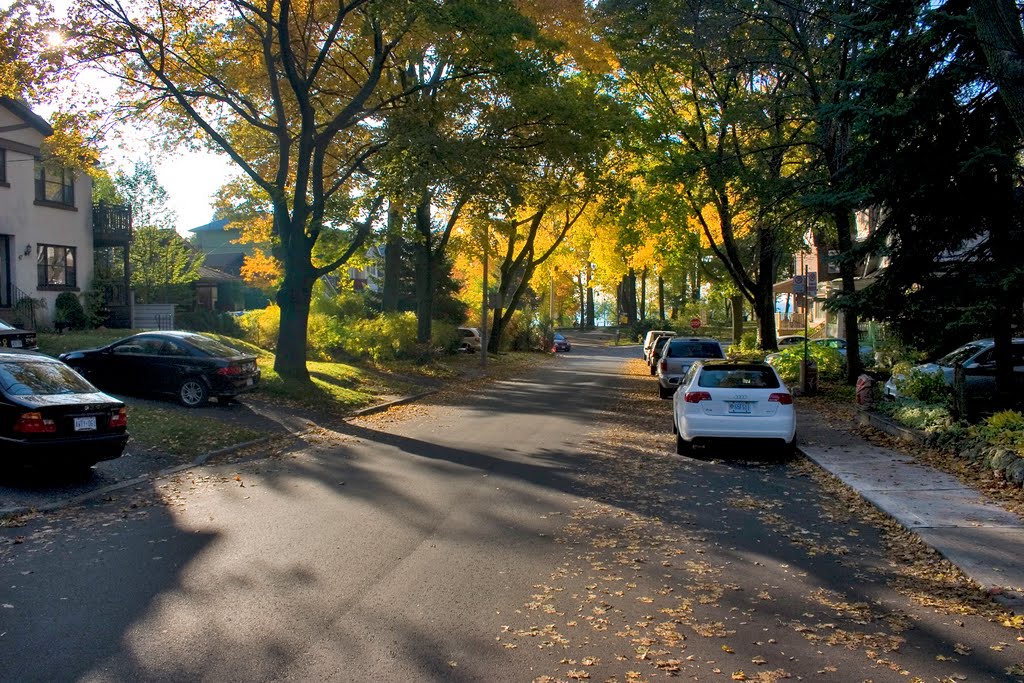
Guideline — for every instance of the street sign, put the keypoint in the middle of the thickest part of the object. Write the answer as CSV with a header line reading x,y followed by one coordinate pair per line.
x,y
812,284
695,323
798,284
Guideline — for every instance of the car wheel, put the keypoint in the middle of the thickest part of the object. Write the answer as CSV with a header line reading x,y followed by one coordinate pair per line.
x,y
654,370
663,392
683,447
193,393
789,449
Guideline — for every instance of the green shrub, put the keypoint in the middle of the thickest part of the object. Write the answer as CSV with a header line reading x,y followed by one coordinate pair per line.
x,y
927,387
208,321
748,342
831,364
324,336
521,334
260,327
68,310
345,304
386,337
1004,429
446,336
917,414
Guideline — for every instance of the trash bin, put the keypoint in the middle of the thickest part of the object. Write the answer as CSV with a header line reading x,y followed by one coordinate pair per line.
x,y
866,391
808,377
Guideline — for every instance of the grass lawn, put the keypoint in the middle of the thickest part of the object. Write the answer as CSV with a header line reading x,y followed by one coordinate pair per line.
x,y
182,432
161,426
55,344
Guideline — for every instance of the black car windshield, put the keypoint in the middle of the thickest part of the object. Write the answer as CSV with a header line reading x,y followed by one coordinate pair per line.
x,y
211,347
41,378
692,349
961,355
738,377
5,326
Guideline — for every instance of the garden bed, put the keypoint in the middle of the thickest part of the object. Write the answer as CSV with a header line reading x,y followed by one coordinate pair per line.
x,y
996,444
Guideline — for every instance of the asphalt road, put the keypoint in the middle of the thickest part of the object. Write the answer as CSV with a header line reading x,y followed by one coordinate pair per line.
x,y
530,529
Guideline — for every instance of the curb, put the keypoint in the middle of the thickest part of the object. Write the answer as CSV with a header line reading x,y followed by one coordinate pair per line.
x,y
381,407
884,424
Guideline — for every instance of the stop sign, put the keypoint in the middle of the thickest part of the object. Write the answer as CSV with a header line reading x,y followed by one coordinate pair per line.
x,y
695,323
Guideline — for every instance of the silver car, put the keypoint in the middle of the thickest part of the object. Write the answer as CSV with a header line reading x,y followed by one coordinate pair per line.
x,y
678,354
977,358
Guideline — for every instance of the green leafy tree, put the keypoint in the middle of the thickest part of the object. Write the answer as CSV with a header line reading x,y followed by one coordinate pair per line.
x,y
162,263
146,196
941,157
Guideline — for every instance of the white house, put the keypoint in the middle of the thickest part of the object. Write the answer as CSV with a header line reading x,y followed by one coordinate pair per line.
x,y
46,221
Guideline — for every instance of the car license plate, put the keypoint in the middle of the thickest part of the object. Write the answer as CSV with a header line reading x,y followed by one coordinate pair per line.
x,y
739,407
85,424
15,343
248,382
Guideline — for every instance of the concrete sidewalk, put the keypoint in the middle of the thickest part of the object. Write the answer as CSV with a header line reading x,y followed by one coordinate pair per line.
x,y
976,534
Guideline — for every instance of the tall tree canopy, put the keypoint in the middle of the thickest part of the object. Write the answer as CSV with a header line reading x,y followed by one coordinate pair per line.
x,y
292,92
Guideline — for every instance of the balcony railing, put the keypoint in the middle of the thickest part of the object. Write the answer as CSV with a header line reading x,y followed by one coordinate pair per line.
x,y
111,225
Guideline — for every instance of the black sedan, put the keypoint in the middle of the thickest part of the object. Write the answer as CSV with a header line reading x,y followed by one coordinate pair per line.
x,y
560,343
13,338
189,366
51,416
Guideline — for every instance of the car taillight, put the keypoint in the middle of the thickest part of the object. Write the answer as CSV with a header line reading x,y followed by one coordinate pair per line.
x,y
34,423
663,365
782,399
118,418
230,370
696,396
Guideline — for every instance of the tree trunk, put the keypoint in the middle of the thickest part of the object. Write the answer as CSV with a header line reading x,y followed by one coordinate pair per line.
x,y
293,298
591,323
764,310
629,296
642,313
583,301
392,260
424,270
844,232
661,297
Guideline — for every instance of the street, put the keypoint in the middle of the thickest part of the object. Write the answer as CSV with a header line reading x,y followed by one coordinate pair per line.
x,y
537,528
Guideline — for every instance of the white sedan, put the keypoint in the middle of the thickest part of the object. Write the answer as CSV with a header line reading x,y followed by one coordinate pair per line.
x,y
733,400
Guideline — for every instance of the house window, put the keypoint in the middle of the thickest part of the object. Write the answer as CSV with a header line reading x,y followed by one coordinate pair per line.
x,y
3,167
56,267
55,184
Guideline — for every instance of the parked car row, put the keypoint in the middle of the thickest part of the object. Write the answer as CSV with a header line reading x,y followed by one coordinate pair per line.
x,y
55,412
715,399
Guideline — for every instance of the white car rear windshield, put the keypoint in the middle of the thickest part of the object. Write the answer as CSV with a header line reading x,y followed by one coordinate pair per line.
x,y
746,377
